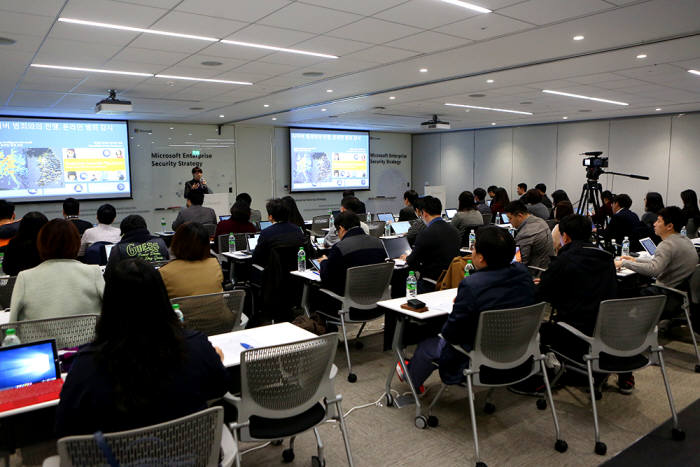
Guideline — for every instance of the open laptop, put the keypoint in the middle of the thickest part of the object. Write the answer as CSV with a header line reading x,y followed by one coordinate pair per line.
x,y
450,213
224,218
385,217
316,264
29,374
264,225
252,243
395,247
401,228
648,245
504,218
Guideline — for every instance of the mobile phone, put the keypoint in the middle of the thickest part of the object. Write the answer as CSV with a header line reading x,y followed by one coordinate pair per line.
x,y
415,303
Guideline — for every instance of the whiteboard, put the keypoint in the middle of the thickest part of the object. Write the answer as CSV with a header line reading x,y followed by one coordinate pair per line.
x,y
437,191
219,202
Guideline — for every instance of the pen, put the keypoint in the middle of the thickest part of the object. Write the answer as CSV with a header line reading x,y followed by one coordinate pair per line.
x,y
246,346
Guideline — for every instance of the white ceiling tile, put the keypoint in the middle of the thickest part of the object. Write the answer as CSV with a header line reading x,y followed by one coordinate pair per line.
x,y
74,32
79,102
111,12
549,11
362,7
617,84
241,10
49,83
167,4
203,91
133,66
34,99
374,30
595,78
495,4
101,84
159,57
156,88
308,18
269,35
428,42
294,60
195,62
332,45
189,23
169,44
381,54
426,14
236,75
265,68
234,51
622,2
75,53
484,27
23,24
337,67
34,7
24,42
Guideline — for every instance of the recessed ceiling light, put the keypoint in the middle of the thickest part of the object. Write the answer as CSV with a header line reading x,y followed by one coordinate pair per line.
x,y
493,123
423,70
222,116
578,38
640,56
584,110
211,63
172,128
695,72
171,83
392,97
565,118
266,105
323,110
329,90
6,41
657,109
92,70
278,49
274,118
578,96
469,6
488,108
489,81
207,80
467,110
132,29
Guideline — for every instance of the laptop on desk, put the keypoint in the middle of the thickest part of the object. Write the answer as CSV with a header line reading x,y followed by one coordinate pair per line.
x,y
264,225
395,247
648,245
385,217
252,243
450,213
29,374
401,228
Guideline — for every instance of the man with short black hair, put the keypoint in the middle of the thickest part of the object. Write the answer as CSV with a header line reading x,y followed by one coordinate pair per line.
x,y
71,212
522,189
532,236
255,215
533,202
496,284
351,193
480,200
280,233
103,232
407,213
351,204
492,191
435,247
625,223
542,189
8,225
197,183
195,212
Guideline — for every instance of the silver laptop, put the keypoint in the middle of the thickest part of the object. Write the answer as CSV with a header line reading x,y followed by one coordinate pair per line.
x,y
253,242
648,245
395,247
450,213
401,228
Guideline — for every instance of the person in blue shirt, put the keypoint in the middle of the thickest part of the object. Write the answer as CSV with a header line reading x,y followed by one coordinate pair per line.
x,y
497,283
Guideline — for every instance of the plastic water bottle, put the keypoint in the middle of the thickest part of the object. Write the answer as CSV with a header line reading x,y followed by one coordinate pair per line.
x,y
613,246
369,217
472,239
163,224
10,338
2,262
411,285
231,243
626,247
301,260
498,218
331,221
511,231
468,268
176,310
387,229
684,232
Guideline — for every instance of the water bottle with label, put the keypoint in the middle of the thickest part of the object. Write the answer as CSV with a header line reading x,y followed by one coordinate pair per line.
x,y
369,217
387,229
626,246
331,221
684,232
411,285
10,338
163,224
472,239
176,310
469,268
498,218
613,247
231,243
301,260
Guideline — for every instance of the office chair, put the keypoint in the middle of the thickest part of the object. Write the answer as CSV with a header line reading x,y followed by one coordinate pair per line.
x,y
214,313
318,223
505,340
376,229
364,287
196,439
211,229
487,218
624,340
7,285
68,331
286,390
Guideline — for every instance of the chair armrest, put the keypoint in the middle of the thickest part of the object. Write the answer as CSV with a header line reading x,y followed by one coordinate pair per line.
x,y
575,332
258,267
432,281
53,461
334,372
670,289
229,448
332,294
231,399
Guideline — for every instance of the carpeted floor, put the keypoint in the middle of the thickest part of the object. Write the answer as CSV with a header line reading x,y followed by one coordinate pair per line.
x,y
516,434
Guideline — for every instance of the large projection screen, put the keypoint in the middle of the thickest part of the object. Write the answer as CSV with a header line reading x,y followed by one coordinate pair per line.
x,y
329,160
50,159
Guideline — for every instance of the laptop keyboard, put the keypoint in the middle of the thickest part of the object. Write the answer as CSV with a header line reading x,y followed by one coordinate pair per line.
x,y
29,395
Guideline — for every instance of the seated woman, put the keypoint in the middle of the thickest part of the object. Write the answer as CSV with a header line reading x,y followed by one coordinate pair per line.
x,y
561,210
239,222
294,214
196,272
60,285
142,368
22,253
467,216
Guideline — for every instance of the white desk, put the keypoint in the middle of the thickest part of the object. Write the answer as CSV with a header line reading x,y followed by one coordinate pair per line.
x,y
237,255
4,317
168,233
264,336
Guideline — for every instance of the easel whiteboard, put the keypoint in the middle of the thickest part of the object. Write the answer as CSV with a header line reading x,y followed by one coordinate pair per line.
x,y
437,191
219,202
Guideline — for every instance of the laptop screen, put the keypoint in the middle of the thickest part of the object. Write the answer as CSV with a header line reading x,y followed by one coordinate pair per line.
x,y
504,218
401,228
253,242
265,224
385,217
224,218
26,364
396,247
648,245
316,264
450,213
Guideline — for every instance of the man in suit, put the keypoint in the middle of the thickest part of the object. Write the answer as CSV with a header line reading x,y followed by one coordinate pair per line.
x,y
522,189
362,207
71,212
348,204
197,183
625,223
407,212
280,233
542,188
195,212
435,247
532,236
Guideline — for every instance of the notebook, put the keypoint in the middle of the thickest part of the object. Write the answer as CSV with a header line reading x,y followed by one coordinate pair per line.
x,y
648,245
396,247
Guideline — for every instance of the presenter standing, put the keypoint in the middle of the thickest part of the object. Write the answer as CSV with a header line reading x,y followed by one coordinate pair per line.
x,y
197,183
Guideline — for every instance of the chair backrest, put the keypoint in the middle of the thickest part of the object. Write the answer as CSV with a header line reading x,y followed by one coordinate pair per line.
x,y
214,313
694,286
96,254
367,285
627,327
508,338
211,229
7,285
318,223
281,381
192,440
69,331
376,229
487,218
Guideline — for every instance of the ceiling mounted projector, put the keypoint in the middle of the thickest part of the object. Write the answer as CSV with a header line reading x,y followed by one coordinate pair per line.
x,y
112,105
435,124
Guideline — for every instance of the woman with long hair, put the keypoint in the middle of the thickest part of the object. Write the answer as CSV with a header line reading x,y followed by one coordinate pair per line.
x,y
143,368
22,252
499,201
653,203
691,212
467,216
295,216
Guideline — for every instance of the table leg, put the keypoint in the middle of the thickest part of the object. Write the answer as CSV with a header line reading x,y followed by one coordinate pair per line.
x,y
305,299
397,346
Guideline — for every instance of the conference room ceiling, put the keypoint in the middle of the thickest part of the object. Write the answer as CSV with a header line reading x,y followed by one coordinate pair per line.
x,y
499,60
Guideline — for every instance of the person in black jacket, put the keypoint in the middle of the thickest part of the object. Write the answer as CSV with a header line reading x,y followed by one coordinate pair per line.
x,y
625,223
435,247
496,284
407,212
22,252
143,368
280,233
136,242
71,212
196,184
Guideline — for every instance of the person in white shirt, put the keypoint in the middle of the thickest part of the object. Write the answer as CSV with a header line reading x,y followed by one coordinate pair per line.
x,y
104,232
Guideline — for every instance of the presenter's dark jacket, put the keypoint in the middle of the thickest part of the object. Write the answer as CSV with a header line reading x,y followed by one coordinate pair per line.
x,y
88,396
203,188
485,289
278,234
138,243
434,249
355,249
577,280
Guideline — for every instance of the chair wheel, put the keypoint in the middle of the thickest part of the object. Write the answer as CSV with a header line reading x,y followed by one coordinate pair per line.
x,y
277,442
288,455
600,448
481,464
421,422
489,408
359,345
389,401
433,421
316,462
561,445
598,395
352,377
678,434
697,368
541,404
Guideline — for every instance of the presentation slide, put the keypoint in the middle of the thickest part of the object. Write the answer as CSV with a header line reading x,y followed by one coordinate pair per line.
x,y
45,159
327,160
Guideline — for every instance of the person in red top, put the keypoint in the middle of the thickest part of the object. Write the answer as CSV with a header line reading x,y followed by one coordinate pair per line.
x,y
499,202
238,223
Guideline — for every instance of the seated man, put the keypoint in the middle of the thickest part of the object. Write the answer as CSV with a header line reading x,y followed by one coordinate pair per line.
x,y
533,200
136,242
104,232
435,247
348,204
407,213
417,224
496,284
480,200
625,223
280,233
195,212
355,248
71,212
8,224
255,216
542,189
532,236
363,208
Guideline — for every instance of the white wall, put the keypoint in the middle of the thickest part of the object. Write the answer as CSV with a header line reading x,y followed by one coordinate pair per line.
x,y
665,148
